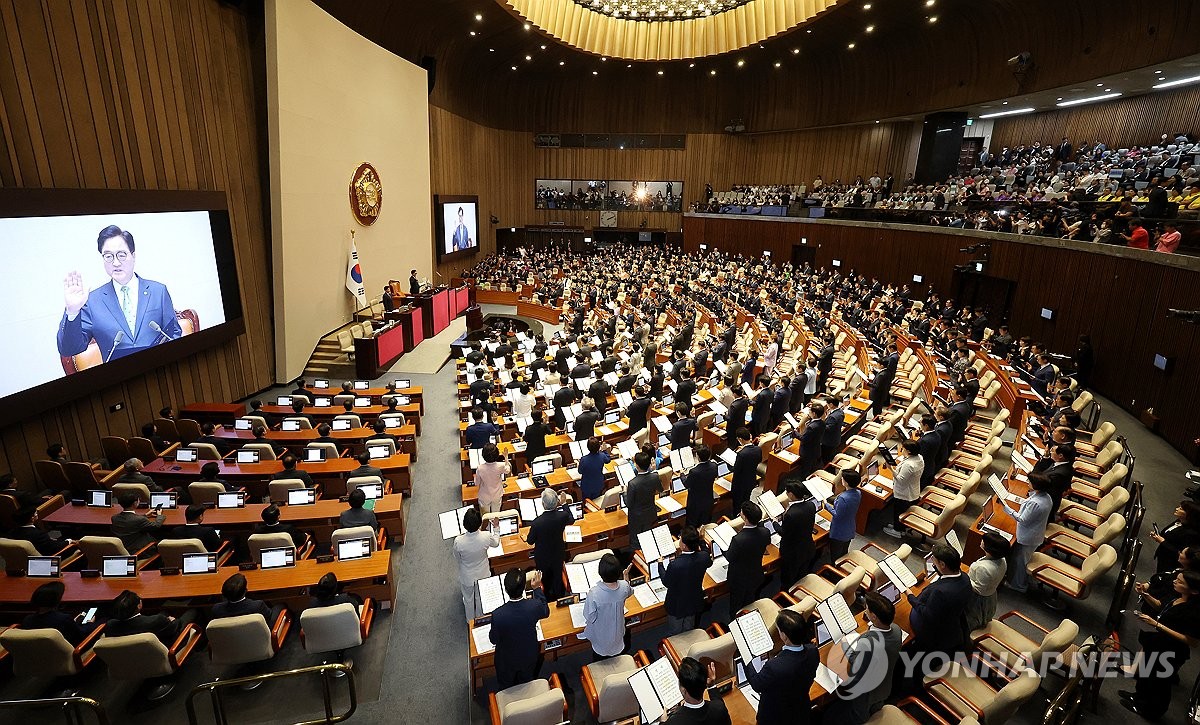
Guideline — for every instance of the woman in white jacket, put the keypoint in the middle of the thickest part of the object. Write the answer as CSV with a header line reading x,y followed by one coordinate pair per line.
x,y
470,551
906,485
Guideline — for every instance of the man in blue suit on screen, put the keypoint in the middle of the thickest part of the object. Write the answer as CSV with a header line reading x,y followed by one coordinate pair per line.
x,y
126,315
461,238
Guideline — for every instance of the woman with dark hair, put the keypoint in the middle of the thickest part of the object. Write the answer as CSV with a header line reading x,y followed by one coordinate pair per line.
x,y
986,574
489,478
1161,585
1180,534
470,551
1167,641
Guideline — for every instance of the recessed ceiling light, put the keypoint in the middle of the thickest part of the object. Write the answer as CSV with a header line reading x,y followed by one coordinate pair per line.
x,y
630,65
527,26
491,50
933,18
866,6
870,28
691,65
472,33
1108,90
930,3
543,47
713,72
562,62
660,72
1005,103
850,46
741,63
1059,98
1013,112
1098,85
777,64
1178,82
595,72
479,16
1091,99
796,51
529,57
808,31
514,67
877,122
603,59
1158,71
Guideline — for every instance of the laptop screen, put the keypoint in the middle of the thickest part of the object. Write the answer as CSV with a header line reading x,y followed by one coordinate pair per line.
x,y
42,566
354,549
371,490
199,563
890,591
362,402
301,496
508,525
119,566
342,424
101,498
379,451
166,500
290,425
314,455
322,402
392,422
277,558
541,468
185,455
319,384
612,416
247,456
285,400
402,383
241,424
230,500
361,385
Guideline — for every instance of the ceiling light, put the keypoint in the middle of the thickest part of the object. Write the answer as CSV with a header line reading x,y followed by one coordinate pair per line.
x,y
543,47
1158,71
1108,90
713,72
1059,98
741,63
660,72
1013,112
870,28
930,3
562,62
866,6
777,64
603,59
527,26
796,51
691,65
1180,82
850,46
479,16
595,72
1099,85
808,31
472,33
529,57
877,122
933,18
629,65
514,67
491,50
1090,99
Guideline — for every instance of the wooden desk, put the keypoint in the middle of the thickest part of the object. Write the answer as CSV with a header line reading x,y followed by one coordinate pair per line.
x,y
544,313
321,518
993,514
367,577
411,412
254,476
354,439
416,394
212,412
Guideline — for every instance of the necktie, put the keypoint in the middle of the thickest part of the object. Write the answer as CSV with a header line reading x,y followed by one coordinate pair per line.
x,y
126,307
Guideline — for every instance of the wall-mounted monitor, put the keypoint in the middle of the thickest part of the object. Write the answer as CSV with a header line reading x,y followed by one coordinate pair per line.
x,y
918,278
104,285
456,226
1047,313
1162,362
837,262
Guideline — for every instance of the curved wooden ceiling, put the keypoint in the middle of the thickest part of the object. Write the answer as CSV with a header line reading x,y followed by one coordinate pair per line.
x,y
627,39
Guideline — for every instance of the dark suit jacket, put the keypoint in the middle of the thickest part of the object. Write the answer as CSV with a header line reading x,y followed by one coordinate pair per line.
x,y
745,562
783,685
682,432
40,539
535,440
71,630
640,495
237,609
745,472
796,548
834,422
514,632
684,579
134,529
585,425
206,534
685,390
937,615
736,418
281,528
159,625
546,536
811,438
761,419
101,318
637,412
930,446
712,712
699,484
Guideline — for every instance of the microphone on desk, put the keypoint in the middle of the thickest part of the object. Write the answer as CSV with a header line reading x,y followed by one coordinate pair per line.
x,y
154,326
116,341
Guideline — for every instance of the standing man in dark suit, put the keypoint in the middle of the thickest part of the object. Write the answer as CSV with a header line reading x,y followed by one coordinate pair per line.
x,y
535,437
585,422
564,397
796,547
699,484
745,554
1059,468
1043,375
514,629
811,438
781,402
745,468
760,421
640,495
945,431
598,392
835,420
824,365
546,537
736,419
683,430
881,387
937,612
638,411
684,580
930,444
961,409
414,284
784,681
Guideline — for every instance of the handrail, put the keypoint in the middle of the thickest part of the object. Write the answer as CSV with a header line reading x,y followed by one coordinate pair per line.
x,y
1063,708
70,707
215,688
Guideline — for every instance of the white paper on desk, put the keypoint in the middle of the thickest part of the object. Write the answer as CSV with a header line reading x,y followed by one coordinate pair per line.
x,y
666,684
577,618
645,595
820,490
770,505
729,456
720,366
574,474
719,571
836,615
722,533
661,423
597,357
748,390
721,486
645,374
669,504
578,449
483,638
627,448
827,678
525,483
530,508
592,570
474,457
952,540
1001,492
897,572
717,407
520,446
1022,465
572,535
494,551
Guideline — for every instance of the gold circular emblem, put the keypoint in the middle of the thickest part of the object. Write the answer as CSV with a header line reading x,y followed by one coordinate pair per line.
x,y
366,194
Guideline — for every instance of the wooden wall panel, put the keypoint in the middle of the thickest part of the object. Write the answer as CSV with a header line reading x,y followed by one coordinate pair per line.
x,y
170,106
1120,297
1121,122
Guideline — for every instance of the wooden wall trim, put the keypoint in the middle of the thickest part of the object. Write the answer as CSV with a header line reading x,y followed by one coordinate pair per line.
x,y
1118,296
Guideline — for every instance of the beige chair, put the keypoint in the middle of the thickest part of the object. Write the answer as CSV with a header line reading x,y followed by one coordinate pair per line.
x,y
245,639
278,488
302,398
257,542
587,556
206,451
1074,543
1100,438
967,695
304,423
142,657
256,420
46,653
931,525
95,548
606,687
358,532
540,702
714,643
386,443
935,498
172,550
1106,457
346,343
953,480
343,398
488,518
205,492
1091,518
356,481
1089,491
967,457
1060,577
829,581
16,553
141,490
986,430
1014,649
868,558
188,429
1082,401
337,628
265,451
611,497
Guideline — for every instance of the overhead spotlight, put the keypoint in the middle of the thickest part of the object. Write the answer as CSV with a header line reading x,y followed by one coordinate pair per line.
x,y
479,16
850,46
514,67
472,33
777,64
930,3
741,63
527,26
603,59
933,18
796,51
870,29
660,72
691,65
529,57
562,62
713,72
866,6
543,47
491,50
595,72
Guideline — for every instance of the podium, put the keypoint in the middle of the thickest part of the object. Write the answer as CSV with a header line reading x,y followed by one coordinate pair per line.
x,y
375,354
435,310
474,318
412,326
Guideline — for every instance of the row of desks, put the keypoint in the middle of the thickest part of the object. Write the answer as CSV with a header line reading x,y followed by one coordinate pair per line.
x,y
354,439
256,476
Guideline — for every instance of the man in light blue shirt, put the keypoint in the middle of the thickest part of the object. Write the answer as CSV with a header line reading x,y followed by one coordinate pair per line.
x,y
845,513
1032,518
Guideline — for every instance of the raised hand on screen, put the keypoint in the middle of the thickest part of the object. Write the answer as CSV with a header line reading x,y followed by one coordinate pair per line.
x,y
75,293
